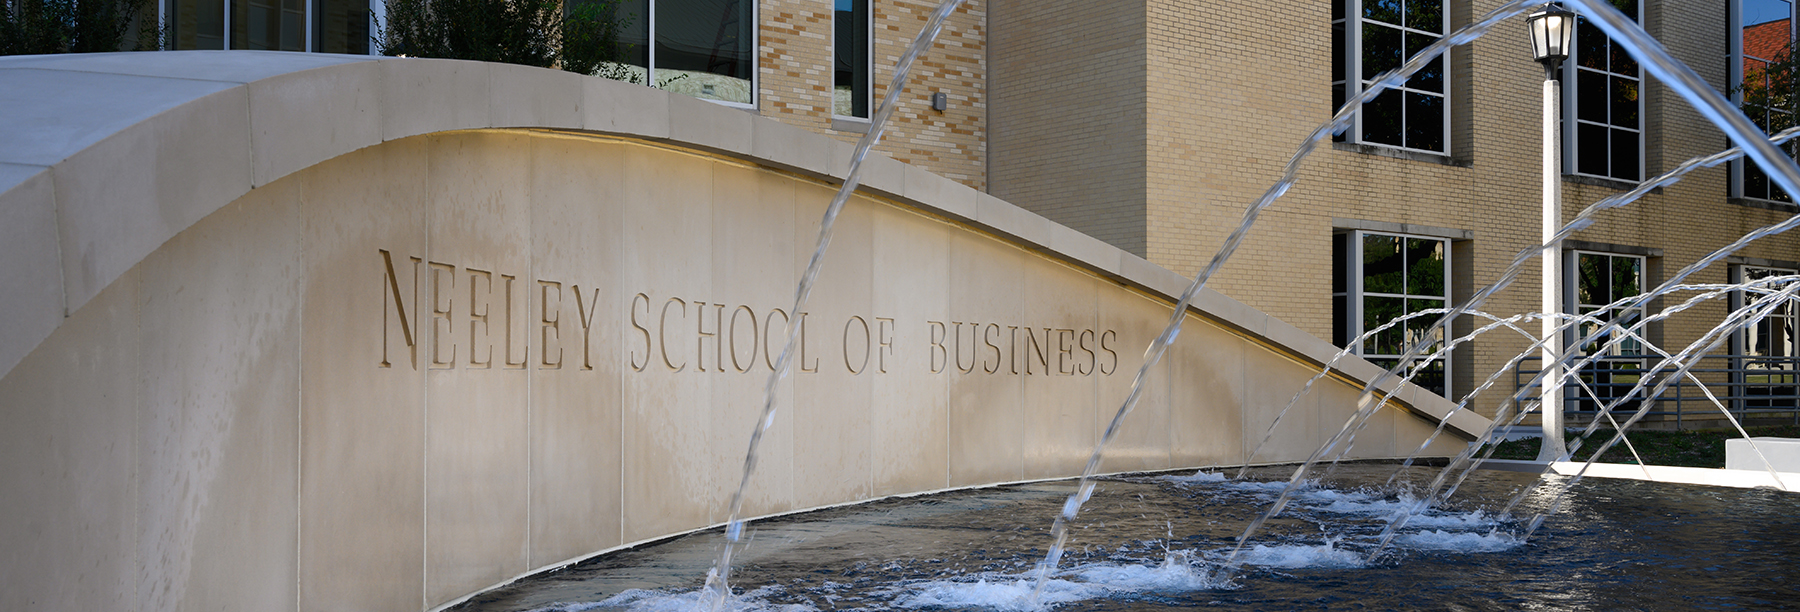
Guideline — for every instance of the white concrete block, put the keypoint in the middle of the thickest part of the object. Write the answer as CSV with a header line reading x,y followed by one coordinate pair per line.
x,y
944,195
617,107
788,146
302,118
122,198
421,96
1011,220
709,125
1783,453
226,66
527,97
33,271
52,114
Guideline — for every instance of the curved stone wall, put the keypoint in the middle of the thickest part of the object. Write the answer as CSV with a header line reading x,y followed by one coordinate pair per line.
x,y
345,333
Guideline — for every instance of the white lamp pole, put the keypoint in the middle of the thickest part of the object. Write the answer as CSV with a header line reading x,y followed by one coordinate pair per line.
x,y
1552,31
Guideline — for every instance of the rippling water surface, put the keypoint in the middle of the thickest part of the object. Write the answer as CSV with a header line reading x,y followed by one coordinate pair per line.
x,y
1156,542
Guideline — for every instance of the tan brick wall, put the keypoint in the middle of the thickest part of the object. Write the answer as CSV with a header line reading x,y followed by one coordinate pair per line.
x,y
1069,117
795,80
1152,126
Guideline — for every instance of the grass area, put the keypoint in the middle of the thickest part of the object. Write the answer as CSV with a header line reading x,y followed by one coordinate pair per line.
x,y
1701,448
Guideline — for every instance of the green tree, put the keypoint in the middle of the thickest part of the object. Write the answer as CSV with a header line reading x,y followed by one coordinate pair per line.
x,y
29,27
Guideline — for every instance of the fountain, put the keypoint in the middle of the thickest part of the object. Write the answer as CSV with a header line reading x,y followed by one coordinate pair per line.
x,y
1363,523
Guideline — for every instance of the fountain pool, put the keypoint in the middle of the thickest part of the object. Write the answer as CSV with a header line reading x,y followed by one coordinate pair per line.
x,y
1152,541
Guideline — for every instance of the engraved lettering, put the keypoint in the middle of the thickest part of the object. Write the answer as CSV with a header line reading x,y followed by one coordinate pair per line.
x,y
857,368
480,318
1082,342
939,358
393,285
1012,349
1109,351
700,342
549,328
440,317
510,364
585,312
735,363
1065,351
987,337
958,347
769,329
884,336
1042,346
815,361
662,333
631,354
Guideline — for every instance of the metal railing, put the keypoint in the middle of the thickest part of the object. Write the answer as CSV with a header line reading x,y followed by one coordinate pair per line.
x,y
1749,387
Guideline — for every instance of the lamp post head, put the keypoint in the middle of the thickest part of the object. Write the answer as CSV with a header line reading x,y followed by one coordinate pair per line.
x,y
1552,32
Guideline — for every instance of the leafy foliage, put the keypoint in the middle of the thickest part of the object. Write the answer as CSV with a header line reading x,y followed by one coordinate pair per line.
x,y
584,39
29,27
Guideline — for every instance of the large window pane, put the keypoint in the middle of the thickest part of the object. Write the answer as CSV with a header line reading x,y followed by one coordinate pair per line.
x,y
268,25
1392,276
197,24
705,48
1606,100
342,27
850,58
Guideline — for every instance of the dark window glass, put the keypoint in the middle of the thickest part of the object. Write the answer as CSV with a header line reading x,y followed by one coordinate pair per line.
x,y
1382,10
1424,121
1431,77
850,50
197,24
1606,99
342,27
1383,117
1381,50
705,48
1427,15
1625,155
1384,268
1590,96
1378,311
1592,156
268,25
1624,94
1424,267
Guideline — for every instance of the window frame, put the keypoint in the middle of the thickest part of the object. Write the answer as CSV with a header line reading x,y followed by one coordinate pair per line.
x,y
1734,85
1571,121
1605,367
1351,83
755,57
1742,362
868,55
1355,292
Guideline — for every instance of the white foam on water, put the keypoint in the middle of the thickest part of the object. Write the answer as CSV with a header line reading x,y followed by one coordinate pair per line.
x,y
1454,520
642,600
1013,592
1456,541
1200,476
1295,556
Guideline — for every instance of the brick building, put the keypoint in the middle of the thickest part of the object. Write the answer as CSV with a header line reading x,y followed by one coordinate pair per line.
x,y
1152,125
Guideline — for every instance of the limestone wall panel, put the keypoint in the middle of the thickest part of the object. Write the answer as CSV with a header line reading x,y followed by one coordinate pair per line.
x,y
362,439
576,190
911,405
217,463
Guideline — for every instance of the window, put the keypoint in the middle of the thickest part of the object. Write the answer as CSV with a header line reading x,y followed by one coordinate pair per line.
x,y
700,48
1602,125
1600,279
1380,277
1767,350
1762,33
1370,37
337,26
851,25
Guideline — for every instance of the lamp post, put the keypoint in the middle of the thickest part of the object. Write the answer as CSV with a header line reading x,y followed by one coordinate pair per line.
x,y
1551,32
